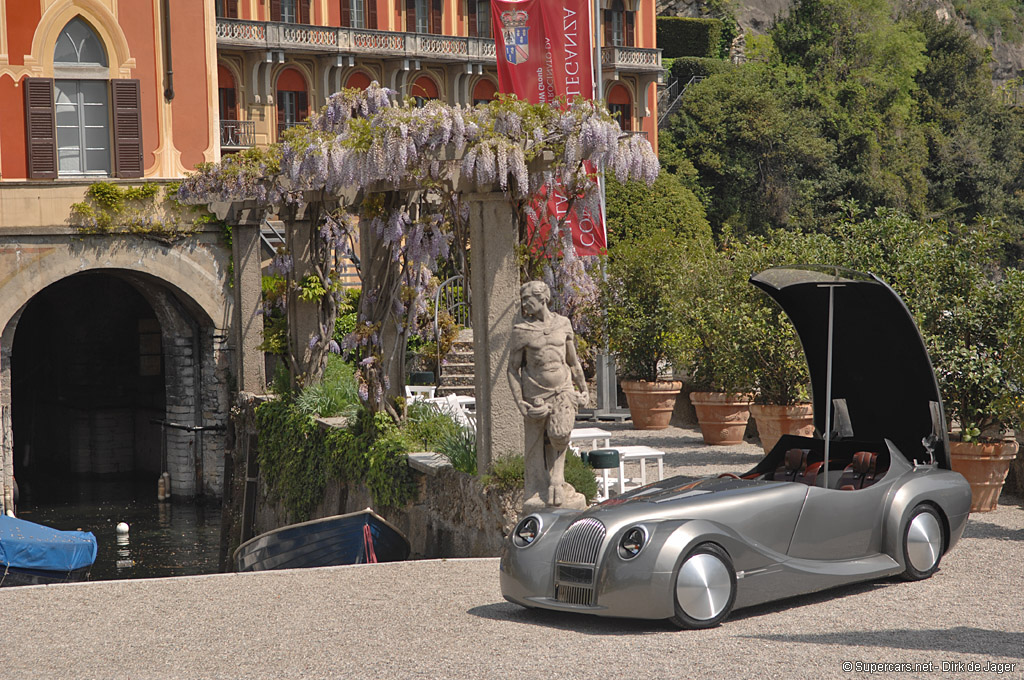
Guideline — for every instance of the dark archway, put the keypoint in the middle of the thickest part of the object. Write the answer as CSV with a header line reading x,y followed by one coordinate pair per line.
x,y
87,380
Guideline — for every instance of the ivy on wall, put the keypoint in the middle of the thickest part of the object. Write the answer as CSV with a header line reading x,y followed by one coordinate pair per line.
x,y
151,210
689,37
298,457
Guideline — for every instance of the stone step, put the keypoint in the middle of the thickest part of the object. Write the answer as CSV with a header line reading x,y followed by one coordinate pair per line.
x,y
457,369
460,357
455,389
457,380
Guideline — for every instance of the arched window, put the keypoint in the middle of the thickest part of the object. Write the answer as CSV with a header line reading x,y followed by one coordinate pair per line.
x,y
620,106
618,25
358,79
83,111
81,123
484,91
423,90
292,99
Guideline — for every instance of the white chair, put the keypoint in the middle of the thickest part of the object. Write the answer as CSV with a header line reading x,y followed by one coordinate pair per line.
x,y
417,392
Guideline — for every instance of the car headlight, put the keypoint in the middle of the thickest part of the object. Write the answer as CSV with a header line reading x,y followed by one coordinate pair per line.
x,y
527,531
633,541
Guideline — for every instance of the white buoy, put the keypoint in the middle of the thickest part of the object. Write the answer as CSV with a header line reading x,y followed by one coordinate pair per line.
x,y
122,527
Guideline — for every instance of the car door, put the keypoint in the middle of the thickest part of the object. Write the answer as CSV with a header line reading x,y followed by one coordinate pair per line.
x,y
840,525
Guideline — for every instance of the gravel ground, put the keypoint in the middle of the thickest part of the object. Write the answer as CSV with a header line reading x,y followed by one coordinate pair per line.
x,y
447,619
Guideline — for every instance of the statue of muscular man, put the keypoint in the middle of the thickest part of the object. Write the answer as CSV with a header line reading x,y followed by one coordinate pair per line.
x,y
549,387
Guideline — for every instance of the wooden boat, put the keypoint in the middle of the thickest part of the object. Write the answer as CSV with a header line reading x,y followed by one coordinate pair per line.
x,y
33,554
356,538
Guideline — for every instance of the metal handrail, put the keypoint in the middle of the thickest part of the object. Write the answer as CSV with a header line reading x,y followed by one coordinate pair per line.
x,y
675,102
456,304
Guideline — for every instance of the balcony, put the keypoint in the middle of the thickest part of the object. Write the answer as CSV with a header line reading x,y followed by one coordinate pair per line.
x,y
262,35
237,134
631,59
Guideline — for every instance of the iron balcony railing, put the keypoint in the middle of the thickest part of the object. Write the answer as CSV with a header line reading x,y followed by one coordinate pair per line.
x,y
269,35
238,134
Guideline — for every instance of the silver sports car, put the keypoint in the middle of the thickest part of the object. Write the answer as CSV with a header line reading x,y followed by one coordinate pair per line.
x,y
874,497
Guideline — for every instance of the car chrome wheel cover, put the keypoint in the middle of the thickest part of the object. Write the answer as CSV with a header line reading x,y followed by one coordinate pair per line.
x,y
924,542
703,587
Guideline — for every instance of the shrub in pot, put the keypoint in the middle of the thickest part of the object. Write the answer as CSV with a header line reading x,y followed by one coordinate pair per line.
x,y
642,296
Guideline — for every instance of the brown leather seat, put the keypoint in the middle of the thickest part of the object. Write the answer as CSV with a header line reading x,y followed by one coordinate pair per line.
x,y
860,473
795,463
808,475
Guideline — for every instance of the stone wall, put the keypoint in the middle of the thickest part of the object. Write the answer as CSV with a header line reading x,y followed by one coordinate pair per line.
x,y
451,515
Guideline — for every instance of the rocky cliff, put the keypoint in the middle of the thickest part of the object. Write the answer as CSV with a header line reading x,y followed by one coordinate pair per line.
x,y
756,16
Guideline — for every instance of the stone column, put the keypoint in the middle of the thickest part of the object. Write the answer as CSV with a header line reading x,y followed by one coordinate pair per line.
x,y
303,321
248,316
494,285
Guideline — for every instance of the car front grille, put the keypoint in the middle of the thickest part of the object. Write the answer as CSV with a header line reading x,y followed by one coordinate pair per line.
x,y
575,560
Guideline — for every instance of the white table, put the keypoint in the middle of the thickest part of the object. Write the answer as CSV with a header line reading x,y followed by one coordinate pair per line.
x,y
594,434
415,392
641,454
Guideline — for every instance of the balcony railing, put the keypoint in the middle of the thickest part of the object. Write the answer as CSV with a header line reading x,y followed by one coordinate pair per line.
x,y
264,35
278,36
237,134
631,58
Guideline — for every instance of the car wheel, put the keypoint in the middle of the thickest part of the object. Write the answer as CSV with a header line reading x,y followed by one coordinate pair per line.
x,y
705,587
923,543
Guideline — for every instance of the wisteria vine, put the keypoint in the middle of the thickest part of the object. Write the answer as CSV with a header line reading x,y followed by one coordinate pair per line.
x,y
371,165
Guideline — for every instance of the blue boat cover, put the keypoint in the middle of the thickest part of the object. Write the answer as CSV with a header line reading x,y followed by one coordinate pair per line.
x,y
27,545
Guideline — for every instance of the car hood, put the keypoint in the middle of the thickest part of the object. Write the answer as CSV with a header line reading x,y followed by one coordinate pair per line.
x,y
880,366
676,490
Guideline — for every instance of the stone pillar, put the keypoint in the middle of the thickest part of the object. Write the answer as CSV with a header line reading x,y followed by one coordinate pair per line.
x,y
303,321
494,285
248,316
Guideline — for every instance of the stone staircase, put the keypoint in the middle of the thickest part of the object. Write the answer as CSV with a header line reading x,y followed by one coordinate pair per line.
x,y
457,374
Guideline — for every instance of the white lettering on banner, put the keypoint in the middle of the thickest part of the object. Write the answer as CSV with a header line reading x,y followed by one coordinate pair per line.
x,y
572,66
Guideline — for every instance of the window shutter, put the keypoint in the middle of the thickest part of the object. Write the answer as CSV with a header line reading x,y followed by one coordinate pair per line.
x,y
40,128
410,16
471,17
371,14
435,17
231,9
127,127
609,40
303,12
301,106
346,17
630,28
275,10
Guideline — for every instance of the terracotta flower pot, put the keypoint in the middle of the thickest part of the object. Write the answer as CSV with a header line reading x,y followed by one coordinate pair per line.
x,y
984,464
773,421
651,403
722,416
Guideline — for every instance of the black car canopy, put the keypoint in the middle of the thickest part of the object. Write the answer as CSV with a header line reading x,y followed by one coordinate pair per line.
x,y
880,366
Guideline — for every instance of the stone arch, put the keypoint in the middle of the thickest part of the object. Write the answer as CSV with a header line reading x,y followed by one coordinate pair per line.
x,y
99,18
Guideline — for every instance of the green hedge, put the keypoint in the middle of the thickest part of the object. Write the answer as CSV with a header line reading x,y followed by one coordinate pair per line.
x,y
685,68
689,37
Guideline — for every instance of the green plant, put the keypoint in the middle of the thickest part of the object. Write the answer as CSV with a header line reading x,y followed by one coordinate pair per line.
x,y
507,474
459,447
335,394
689,37
428,426
642,296
149,210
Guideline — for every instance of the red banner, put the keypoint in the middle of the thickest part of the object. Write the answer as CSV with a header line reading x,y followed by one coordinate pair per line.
x,y
544,51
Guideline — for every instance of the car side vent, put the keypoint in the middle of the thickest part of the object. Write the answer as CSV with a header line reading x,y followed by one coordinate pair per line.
x,y
581,542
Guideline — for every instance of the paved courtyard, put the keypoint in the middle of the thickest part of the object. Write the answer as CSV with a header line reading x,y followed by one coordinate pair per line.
x,y
447,619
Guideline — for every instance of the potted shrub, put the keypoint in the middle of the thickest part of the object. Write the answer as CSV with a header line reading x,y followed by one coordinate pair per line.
x,y
642,297
716,309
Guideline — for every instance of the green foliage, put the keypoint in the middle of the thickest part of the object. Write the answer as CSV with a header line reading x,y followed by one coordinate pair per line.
x,y
508,473
335,394
689,37
459,447
427,426
149,210
298,457
348,312
311,289
634,209
643,296
992,16
685,68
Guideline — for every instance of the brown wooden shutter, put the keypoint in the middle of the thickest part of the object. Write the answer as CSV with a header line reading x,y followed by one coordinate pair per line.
x,y
435,17
608,39
630,28
303,13
471,18
371,14
127,105
346,14
231,9
410,16
275,10
301,106
40,128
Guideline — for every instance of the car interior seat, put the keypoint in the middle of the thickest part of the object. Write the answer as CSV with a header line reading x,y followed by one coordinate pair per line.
x,y
860,473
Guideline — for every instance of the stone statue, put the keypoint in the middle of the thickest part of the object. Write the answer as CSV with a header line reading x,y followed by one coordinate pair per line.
x,y
548,384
